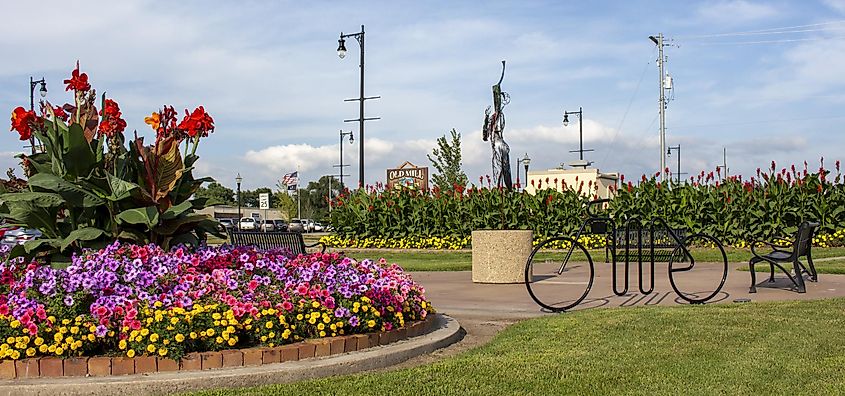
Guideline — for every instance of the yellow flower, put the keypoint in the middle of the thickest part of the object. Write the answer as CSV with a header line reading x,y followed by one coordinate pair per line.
x,y
121,344
130,353
210,332
269,325
193,335
371,323
162,351
154,337
151,348
154,121
60,351
179,337
315,304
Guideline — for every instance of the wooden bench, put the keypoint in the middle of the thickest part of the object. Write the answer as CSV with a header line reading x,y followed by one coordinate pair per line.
x,y
273,240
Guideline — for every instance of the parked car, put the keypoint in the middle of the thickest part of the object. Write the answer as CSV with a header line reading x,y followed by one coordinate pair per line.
x,y
281,226
267,225
17,236
318,227
308,225
296,226
227,225
247,224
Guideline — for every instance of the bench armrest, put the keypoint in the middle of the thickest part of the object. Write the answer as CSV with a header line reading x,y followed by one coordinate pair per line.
x,y
770,244
323,250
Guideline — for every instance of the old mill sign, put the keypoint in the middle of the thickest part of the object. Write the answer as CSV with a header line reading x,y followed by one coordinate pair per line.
x,y
408,175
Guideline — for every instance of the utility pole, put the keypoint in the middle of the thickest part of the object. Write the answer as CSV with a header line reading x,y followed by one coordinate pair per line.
x,y
662,101
725,160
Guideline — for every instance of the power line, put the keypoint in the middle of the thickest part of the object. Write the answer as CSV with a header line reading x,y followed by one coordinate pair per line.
x,y
760,122
767,41
625,115
784,29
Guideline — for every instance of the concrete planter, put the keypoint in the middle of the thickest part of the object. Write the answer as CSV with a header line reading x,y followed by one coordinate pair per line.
x,y
499,256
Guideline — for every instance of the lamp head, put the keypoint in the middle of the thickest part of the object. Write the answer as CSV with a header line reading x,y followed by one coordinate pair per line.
x,y
239,179
351,137
565,119
526,160
43,89
341,47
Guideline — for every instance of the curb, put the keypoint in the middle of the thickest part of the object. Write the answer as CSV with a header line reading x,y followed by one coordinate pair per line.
x,y
446,332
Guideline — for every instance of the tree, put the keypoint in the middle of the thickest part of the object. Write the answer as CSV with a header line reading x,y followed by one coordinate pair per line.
x,y
285,203
249,198
314,197
447,162
216,194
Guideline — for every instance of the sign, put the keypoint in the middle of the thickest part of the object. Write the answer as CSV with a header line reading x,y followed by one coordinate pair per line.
x,y
408,175
264,201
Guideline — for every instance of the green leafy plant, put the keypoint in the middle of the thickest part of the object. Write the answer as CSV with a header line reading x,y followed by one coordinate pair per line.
x,y
769,205
88,187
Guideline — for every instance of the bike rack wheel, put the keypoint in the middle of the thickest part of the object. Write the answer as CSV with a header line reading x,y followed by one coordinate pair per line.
x,y
529,267
705,238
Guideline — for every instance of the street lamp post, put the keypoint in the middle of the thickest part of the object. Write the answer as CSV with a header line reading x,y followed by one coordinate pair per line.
x,y
580,151
351,140
341,52
238,180
525,161
43,91
669,152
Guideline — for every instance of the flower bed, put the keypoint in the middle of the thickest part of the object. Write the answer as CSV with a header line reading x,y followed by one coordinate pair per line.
x,y
137,300
590,241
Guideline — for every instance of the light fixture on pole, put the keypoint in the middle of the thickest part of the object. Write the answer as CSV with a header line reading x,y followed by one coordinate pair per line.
x,y
525,161
581,150
678,150
341,52
238,180
43,91
351,140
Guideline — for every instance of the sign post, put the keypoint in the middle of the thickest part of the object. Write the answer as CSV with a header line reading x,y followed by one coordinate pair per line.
x,y
408,175
264,203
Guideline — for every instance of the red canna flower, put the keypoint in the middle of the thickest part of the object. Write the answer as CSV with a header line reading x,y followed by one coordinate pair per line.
x,y
112,122
532,183
59,112
197,123
630,187
549,200
644,179
78,81
773,166
22,122
622,178
837,166
819,188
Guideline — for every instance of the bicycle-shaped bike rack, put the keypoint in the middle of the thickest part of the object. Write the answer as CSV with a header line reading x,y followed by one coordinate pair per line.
x,y
633,228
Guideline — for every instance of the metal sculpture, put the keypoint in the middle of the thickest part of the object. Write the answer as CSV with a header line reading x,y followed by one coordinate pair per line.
x,y
494,126
633,229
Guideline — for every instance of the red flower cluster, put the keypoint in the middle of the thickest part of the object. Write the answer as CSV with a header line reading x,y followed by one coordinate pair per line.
x,y
78,81
197,123
60,113
112,122
22,122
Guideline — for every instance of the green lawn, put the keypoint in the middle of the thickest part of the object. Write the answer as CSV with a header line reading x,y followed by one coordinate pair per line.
x,y
753,348
822,267
445,260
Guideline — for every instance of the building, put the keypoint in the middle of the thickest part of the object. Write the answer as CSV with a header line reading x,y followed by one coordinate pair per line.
x,y
561,179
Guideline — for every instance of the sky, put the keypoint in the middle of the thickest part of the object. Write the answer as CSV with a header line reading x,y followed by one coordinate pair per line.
x,y
762,79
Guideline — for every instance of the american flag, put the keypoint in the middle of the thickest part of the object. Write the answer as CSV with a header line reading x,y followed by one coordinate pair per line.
x,y
291,179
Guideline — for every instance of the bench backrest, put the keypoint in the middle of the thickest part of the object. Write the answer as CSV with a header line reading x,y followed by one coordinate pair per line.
x,y
270,240
804,239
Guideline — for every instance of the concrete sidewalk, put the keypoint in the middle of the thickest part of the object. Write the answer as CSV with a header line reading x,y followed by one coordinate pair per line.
x,y
454,294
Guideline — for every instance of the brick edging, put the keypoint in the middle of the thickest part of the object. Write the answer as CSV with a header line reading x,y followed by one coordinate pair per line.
x,y
96,366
